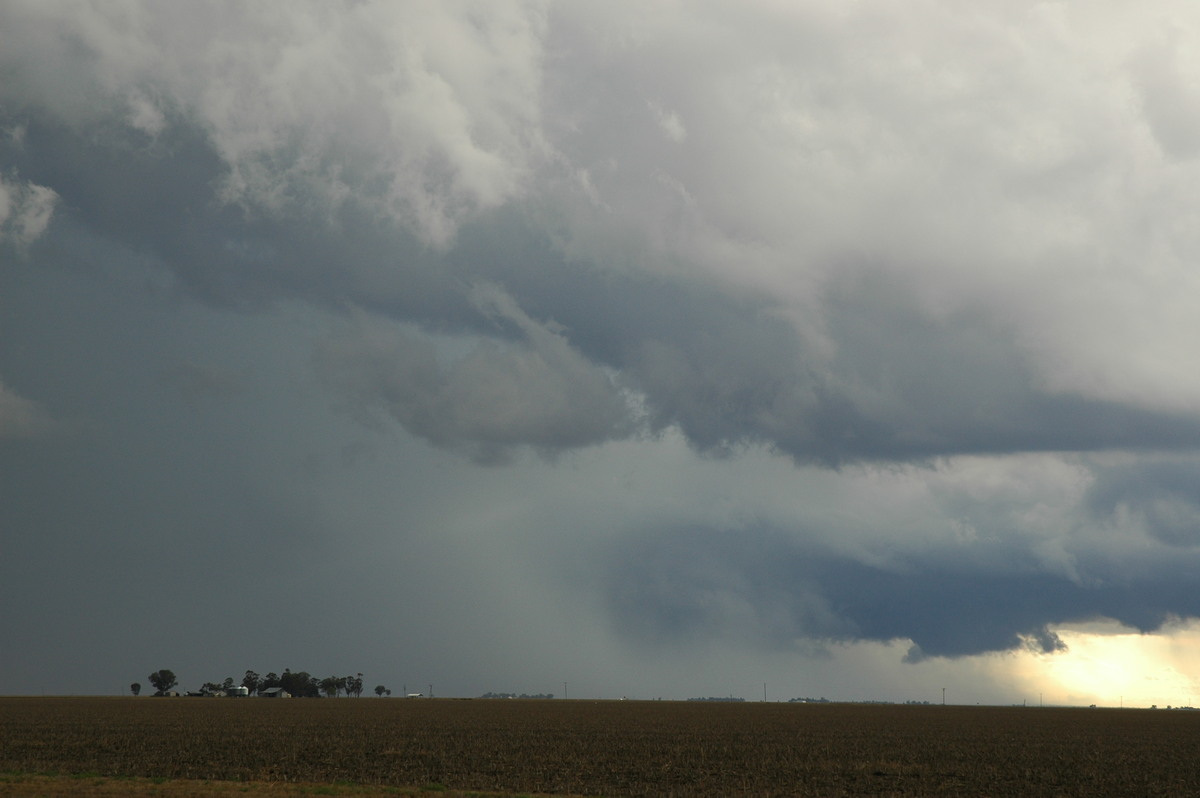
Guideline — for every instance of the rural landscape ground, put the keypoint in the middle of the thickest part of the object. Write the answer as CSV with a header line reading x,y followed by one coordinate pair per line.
x,y
355,747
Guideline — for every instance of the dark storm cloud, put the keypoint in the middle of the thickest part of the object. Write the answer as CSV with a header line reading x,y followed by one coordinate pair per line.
x,y
765,588
537,391
565,228
960,384
726,369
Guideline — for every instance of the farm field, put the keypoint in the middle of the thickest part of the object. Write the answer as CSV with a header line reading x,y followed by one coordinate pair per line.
x,y
369,746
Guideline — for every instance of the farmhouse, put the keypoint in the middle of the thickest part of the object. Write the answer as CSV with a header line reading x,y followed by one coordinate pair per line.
x,y
274,692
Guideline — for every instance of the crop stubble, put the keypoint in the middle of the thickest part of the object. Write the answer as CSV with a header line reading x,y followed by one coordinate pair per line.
x,y
613,747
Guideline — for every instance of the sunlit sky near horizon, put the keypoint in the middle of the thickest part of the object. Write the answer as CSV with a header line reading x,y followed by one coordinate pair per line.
x,y
657,349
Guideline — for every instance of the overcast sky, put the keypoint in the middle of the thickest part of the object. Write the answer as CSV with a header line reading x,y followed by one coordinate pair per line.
x,y
660,349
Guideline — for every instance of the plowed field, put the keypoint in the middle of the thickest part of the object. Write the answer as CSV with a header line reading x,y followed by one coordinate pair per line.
x,y
615,748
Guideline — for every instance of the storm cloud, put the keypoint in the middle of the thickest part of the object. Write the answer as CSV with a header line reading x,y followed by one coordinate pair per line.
x,y
926,273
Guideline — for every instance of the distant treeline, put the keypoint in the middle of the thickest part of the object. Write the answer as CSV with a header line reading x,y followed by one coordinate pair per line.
x,y
299,684
296,683
714,698
824,700
514,695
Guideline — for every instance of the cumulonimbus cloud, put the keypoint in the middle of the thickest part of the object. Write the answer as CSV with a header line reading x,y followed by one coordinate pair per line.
x,y
842,233
837,244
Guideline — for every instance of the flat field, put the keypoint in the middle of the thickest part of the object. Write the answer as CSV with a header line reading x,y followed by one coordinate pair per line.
x,y
210,746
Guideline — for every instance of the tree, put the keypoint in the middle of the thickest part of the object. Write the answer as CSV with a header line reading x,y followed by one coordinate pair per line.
x,y
301,684
162,681
380,690
354,684
251,681
135,688
330,686
227,685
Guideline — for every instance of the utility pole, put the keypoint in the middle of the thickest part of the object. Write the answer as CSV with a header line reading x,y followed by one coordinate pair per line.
x,y
564,689
943,696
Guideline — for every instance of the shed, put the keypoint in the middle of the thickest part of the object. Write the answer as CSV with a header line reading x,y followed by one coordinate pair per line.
x,y
274,692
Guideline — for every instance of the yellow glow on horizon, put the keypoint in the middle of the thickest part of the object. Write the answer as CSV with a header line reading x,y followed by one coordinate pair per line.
x,y
1109,665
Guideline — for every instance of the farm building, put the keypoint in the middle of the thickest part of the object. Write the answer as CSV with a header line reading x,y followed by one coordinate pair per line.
x,y
274,692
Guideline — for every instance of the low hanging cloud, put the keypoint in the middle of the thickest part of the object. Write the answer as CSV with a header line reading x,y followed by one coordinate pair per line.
x,y
775,589
532,391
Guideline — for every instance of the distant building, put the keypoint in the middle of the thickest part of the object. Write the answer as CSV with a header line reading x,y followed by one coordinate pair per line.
x,y
274,692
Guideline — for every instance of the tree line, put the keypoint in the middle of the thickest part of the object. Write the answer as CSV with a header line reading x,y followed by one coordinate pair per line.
x,y
296,683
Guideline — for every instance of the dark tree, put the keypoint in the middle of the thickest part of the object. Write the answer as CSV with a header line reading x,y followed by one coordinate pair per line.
x,y
380,690
162,681
354,685
251,681
301,684
227,684
135,688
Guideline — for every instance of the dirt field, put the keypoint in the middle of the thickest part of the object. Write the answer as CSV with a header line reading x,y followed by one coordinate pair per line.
x,y
193,746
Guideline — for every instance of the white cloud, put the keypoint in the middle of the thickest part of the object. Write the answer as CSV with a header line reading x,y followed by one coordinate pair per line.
x,y
996,159
25,210
428,111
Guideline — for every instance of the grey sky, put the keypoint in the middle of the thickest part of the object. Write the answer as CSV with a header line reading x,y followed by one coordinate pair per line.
x,y
505,344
